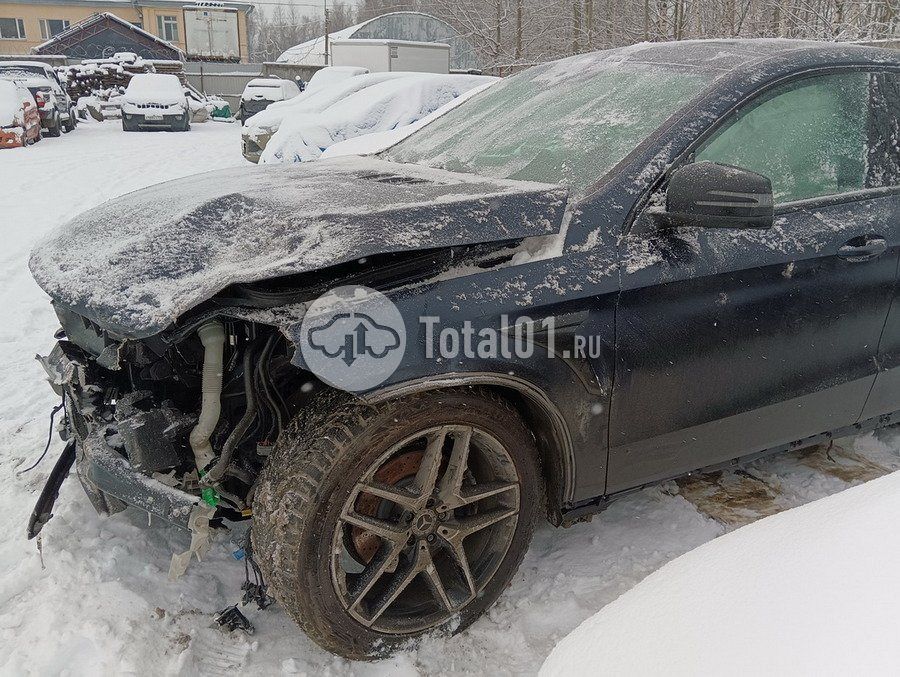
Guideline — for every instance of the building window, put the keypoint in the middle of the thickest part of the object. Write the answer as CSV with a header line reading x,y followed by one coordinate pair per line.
x,y
53,27
167,27
12,29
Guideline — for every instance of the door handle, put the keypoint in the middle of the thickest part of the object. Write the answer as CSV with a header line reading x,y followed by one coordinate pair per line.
x,y
863,248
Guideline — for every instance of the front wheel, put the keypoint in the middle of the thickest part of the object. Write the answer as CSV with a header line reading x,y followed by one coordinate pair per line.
x,y
379,523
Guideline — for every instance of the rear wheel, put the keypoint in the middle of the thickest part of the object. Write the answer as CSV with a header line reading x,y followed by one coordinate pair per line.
x,y
71,122
54,126
378,524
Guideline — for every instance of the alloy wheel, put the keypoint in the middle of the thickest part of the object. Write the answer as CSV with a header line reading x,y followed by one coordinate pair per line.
x,y
424,529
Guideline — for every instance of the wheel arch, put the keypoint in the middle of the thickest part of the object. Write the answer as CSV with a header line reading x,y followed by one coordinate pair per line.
x,y
541,415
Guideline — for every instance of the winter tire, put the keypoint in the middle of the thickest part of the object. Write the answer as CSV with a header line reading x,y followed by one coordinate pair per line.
x,y
55,128
376,524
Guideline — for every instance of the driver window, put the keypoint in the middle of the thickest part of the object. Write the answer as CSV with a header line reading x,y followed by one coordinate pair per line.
x,y
808,137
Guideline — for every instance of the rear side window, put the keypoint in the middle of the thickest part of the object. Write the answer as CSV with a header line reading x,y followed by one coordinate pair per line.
x,y
809,137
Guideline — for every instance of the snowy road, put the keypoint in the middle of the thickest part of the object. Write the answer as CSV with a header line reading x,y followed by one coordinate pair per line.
x,y
101,604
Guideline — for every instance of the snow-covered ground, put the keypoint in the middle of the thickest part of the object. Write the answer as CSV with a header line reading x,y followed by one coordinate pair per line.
x,y
810,591
99,603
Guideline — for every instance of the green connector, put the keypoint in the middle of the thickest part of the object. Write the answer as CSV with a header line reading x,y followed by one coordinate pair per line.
x,y
210,496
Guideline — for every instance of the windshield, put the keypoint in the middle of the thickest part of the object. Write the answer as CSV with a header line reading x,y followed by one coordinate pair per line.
x,y
569,121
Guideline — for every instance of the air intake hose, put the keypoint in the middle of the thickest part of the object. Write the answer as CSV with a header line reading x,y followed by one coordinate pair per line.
x,y
212,336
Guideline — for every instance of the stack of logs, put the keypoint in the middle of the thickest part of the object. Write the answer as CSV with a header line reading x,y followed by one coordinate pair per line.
x,y
95,75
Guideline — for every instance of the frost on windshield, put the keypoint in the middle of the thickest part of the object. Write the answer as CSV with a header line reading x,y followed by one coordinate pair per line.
x,y
567,122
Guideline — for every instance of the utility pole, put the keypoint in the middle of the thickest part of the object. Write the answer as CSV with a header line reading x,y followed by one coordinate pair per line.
x,y
327,59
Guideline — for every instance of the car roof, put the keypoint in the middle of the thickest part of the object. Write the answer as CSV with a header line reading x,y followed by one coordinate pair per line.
x,y
41,64
266,82
741,54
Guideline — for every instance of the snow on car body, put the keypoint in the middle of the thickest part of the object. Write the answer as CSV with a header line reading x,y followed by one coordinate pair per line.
x,y
57,110
387,105
20,123
331,75
155,101
260,92
259,128
698,240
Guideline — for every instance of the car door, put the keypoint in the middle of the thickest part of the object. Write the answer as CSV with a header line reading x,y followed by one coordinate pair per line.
x,y
885,395
731,342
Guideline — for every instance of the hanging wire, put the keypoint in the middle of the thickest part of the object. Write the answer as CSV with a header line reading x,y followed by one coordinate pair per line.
x,y
49,439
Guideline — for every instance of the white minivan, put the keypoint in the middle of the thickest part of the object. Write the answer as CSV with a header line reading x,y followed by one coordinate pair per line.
x,y
260,92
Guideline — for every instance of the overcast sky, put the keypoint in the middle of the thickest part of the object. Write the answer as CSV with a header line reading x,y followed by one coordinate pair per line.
x,y
308,7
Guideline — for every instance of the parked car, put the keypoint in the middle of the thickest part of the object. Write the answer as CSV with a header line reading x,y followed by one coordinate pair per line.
x,y
324,107
387,105
650,260
20,122
260,92
259,128
155,101
57,110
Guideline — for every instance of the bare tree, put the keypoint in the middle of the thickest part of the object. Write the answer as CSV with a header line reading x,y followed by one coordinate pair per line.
x,y
511,34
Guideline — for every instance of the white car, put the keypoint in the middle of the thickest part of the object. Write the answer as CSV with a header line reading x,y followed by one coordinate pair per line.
x,y
260,92
387,105
155,101
259,128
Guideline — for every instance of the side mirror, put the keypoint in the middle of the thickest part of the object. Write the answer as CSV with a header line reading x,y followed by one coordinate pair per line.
x,y
711,195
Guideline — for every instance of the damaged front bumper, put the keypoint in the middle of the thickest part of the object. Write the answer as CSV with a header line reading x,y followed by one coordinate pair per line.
x,y
105,474
111,443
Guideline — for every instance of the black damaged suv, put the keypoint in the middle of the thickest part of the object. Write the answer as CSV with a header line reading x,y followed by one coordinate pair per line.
x,y
699,240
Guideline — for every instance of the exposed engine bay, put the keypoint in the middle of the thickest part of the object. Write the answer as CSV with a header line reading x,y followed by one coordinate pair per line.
x,y
186,418
199,416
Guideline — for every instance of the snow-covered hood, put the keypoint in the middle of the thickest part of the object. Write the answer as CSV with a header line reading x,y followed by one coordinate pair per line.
x,y
137,263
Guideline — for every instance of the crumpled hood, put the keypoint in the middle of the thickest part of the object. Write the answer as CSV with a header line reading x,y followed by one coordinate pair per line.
x,y
137,263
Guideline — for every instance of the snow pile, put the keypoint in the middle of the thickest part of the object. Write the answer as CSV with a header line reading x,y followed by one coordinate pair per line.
x,y
369,144
809,591
10,103
381,107
157,88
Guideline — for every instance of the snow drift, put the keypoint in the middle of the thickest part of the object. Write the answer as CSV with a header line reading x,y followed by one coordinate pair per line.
x,y
810,591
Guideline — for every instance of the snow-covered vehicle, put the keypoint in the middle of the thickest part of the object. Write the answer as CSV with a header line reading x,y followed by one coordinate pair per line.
x,y
387,105
259,128
260,92
57,110
20,123
155,101
331,75
603,272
